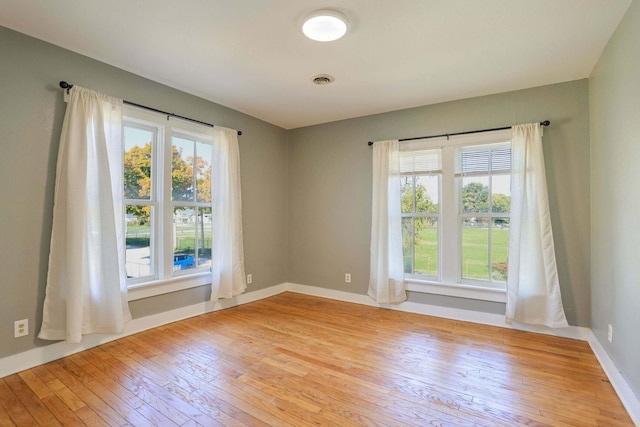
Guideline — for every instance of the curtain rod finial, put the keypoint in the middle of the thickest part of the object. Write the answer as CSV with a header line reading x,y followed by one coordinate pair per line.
x,y
545,123
65,85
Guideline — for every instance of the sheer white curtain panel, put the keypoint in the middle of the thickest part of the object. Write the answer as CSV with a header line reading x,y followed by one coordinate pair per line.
x,y
227,253
386,278
86,288
533,289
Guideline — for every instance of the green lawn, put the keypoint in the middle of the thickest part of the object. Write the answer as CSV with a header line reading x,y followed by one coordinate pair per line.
x,y
475,257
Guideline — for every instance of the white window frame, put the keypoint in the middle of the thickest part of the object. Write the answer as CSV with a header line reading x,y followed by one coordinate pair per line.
x,y
164,279
450,239
432,169
436,215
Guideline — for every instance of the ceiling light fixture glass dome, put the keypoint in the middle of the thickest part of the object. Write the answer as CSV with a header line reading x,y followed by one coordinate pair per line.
x,y
325,26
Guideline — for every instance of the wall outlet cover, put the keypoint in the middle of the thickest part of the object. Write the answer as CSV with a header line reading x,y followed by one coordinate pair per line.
x,y
21,328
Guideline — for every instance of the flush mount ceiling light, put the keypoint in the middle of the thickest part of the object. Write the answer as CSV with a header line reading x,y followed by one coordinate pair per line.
x,y
325,25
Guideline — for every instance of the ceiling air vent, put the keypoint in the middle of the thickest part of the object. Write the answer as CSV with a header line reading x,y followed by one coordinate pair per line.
x,y
322,79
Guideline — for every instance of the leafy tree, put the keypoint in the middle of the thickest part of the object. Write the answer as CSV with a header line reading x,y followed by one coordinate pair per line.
x,y
422,199
137,172
203,181
412,227
501,203
181,175
137,178
475,197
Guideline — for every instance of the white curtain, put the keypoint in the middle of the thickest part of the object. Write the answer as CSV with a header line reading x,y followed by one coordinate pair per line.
x,y
86,283
386,279
227,253
533,290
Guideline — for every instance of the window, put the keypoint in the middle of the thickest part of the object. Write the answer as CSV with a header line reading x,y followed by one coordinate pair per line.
x,y
167,196
420,190
484,175
456,198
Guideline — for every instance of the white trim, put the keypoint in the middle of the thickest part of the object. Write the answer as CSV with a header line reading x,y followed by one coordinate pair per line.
x,y
460,291
38,356
173,284
620,385
574,332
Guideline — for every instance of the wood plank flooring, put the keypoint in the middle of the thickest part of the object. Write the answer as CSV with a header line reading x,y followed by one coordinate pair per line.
x,y
296,360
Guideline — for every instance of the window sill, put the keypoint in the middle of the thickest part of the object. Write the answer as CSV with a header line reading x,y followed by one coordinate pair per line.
x,y
461,290
159,287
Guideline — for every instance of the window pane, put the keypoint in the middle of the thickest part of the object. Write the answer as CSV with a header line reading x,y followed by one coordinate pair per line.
x,y
426,246
427,191
203,171
204,237
499,249
407,244
182,168
138,241
475,248
501,193
137,163
406,188
475,194
184,238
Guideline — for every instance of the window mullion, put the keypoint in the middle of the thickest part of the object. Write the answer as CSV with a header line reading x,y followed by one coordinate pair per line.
x,y
490,230
194,183
166,206
449,247
413,245
490,248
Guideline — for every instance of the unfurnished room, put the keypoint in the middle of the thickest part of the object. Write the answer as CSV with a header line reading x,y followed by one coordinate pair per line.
x,y
336,213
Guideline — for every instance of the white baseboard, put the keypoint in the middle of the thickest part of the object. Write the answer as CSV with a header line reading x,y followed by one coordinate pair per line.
x,y
38,356
620,385
575,332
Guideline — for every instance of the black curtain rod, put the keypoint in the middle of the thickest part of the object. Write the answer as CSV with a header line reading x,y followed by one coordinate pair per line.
x,y
543,123
67,86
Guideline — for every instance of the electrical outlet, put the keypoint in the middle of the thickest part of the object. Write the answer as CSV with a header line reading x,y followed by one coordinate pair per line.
x,y
249,279
610,334
347,277
21,328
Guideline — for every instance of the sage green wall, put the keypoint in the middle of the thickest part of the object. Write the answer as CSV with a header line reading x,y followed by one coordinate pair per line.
x,y
330,187
31,113
306,192
614,89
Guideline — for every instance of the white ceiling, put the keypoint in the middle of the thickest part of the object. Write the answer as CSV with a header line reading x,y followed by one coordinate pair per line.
x,y
250,55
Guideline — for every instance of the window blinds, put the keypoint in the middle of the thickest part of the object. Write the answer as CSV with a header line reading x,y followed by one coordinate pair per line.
x,y
421,161
483,159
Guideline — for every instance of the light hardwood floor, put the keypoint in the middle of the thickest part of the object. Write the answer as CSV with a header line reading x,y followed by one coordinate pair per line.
x,y
296,360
